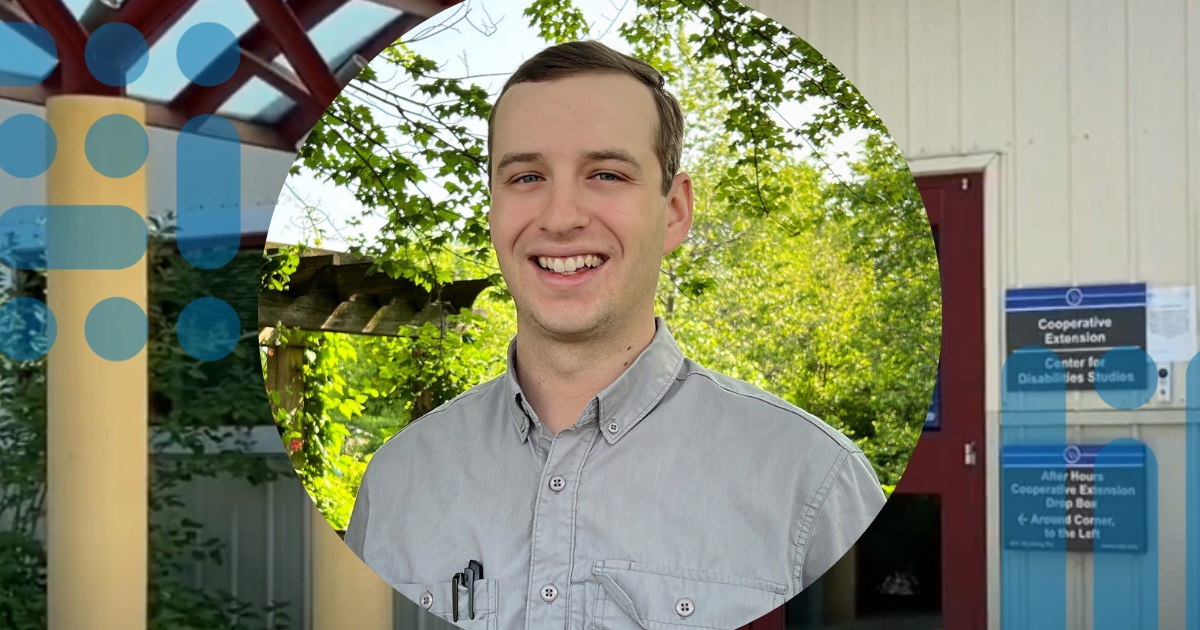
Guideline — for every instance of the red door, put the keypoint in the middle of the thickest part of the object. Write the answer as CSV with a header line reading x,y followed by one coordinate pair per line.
x,y
948,463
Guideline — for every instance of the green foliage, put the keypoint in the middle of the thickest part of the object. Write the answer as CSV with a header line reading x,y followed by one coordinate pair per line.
x,y
338,426
350,146
821,290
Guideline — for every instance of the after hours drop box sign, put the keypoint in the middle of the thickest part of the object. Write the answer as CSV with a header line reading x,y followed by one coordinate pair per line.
x,y
1079,324
1055,498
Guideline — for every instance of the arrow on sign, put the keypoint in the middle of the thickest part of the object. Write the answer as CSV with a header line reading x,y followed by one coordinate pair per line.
x,y
1021,519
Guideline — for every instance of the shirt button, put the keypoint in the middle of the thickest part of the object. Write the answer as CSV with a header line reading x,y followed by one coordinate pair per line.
x,y
549,592
613,427
557,483
426,600
685,607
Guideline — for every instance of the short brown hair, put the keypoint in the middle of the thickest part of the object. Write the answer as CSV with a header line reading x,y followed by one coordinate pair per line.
x,y
573,58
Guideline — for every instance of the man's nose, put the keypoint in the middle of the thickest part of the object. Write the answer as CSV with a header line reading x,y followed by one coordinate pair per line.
x,y
564,211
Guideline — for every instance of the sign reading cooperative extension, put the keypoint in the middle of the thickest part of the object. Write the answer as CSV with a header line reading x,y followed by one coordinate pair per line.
x,y
1079,324
1057,497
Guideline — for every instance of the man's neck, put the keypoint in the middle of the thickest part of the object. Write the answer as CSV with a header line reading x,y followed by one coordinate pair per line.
x,y
559,379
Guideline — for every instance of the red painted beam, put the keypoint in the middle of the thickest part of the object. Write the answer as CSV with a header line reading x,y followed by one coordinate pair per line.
x,y
301,119
71,40
292,37
54,16
198,99
280,79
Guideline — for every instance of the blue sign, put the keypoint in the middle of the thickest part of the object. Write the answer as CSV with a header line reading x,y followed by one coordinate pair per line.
x,y
1078,324
1055,497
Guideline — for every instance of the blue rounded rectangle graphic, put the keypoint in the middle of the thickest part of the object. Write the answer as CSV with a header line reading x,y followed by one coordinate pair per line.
x,y
40,237
28,54
208,191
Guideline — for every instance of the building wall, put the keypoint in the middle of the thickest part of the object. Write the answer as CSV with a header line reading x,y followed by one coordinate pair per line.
x,y
1090,111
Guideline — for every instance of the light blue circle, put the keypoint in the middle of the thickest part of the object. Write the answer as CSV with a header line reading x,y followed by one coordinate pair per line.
x,y
116,54
116,329
208,54
1126,361
208,329
27,145
116,146
27,329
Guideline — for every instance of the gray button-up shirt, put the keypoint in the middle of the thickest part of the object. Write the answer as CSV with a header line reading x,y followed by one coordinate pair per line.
x,y
676,483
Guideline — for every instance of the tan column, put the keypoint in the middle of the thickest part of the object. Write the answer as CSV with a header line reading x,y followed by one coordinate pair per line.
x,y
96,409
345,593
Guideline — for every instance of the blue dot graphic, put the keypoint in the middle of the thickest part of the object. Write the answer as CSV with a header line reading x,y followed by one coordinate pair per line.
x,y
27,329
116,329
1126,377
116,54
116,146
208,329
27,146
208,54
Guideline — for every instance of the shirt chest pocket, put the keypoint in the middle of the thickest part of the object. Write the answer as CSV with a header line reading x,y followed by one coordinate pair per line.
x,y
642,596
437,598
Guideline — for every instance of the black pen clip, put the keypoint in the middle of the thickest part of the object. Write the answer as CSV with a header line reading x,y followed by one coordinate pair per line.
x,y
467,578
458,580
474,571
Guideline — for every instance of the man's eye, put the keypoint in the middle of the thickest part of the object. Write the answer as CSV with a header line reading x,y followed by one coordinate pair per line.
x,y
527,179
606,176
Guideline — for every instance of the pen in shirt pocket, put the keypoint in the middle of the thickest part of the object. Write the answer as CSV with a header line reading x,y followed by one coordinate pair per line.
x,y
466,579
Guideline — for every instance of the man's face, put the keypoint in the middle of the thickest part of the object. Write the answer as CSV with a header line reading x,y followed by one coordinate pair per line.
x,y
578,218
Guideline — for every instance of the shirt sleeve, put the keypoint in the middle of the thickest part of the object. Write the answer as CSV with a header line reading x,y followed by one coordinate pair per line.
x,y
356,531
853,501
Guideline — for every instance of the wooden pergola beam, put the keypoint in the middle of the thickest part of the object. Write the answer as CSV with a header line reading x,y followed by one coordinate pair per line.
x,y
332,292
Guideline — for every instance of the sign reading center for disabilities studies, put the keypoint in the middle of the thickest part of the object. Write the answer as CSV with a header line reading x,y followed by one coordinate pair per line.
x,y
1054,498
1078,324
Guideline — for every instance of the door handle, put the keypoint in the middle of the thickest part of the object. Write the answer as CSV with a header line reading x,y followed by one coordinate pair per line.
x,y
969,454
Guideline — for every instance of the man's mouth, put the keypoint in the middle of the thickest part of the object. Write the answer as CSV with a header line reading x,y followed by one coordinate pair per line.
x,y
569,265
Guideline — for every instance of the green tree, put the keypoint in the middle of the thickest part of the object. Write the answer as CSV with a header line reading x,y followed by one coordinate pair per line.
x,y
828,283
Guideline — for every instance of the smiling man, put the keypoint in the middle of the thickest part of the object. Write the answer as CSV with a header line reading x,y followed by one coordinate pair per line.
x,y
605,480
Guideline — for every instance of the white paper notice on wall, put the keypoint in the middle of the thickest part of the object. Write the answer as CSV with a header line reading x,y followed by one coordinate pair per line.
x,y
1171,323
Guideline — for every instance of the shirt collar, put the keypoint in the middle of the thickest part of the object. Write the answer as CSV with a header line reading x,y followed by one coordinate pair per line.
x,y
621,405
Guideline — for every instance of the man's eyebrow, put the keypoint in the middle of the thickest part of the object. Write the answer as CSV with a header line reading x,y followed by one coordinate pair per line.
x,y
620,155
513,158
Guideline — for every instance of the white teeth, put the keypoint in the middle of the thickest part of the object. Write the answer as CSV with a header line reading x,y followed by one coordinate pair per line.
x,y
569,265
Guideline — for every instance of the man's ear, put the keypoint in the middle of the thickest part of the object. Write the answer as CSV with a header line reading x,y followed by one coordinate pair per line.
x,y
679,212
